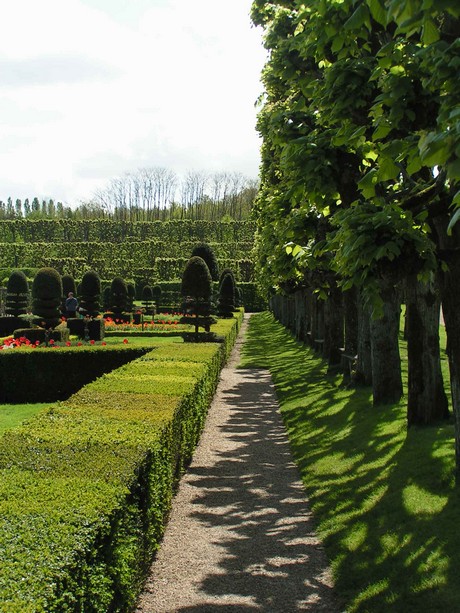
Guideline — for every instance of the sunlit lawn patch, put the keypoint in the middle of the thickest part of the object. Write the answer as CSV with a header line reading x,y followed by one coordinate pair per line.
x,y
384,498
12,415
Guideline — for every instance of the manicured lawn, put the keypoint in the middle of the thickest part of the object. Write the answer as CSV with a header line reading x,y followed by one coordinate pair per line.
x,y
384,498
12,415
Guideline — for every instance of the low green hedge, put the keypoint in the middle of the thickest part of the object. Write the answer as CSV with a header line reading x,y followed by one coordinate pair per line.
x,y
147,332
60,334
54,373
85,488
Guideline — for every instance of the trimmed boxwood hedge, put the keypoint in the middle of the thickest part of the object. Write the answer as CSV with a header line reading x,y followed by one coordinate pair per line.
x,y
49,374
85,487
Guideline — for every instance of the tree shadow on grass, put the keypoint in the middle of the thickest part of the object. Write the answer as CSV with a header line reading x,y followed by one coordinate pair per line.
x,y
384,497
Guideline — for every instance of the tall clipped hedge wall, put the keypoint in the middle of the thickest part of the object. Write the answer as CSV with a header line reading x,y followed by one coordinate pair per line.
x,y
253,302
160,261
104,230
85,487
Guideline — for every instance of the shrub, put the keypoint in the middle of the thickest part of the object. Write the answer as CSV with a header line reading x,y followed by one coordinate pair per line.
x,y
156,293
226,302
29,375
238,296
42,335
205,252
17,294
86,486
88,329
227,271
197,292
118,295
47,296
131,296
68,285
90,293
106,298
147,299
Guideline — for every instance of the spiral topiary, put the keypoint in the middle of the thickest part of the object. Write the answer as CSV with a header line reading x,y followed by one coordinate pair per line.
x,y
205,252
17,294
118,295
90,297
47,296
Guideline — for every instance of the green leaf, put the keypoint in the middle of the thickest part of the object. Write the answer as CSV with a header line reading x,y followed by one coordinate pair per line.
x,y
378,12
388,170
382,130
367,183
453,169
337,44
453,221
430,33
358,18
434,149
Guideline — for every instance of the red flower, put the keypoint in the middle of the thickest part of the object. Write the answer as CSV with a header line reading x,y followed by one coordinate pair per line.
x,y
103,343
68,343
52,341
125,340
79,344
91,342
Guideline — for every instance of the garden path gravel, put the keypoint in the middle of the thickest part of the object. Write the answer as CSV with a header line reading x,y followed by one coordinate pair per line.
x,y
241,536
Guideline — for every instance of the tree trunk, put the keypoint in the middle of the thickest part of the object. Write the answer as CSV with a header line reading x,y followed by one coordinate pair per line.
x,y
300,314
350,349
451,313
386,362
350,303
363,374
333,326
449,251
317,320
427,400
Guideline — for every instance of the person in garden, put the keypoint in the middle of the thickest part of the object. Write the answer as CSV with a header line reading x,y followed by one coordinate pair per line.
x,y
71,305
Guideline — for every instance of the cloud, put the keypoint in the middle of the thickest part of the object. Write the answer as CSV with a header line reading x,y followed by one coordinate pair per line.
x,y
50,70
90,89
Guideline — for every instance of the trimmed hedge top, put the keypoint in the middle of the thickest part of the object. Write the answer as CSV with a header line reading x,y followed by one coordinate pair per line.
x,y
85,487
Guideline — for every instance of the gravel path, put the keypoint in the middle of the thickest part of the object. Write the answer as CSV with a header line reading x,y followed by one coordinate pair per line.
x,y
241,536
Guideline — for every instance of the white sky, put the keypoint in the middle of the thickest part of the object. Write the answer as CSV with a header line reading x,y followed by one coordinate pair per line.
x,y
91,89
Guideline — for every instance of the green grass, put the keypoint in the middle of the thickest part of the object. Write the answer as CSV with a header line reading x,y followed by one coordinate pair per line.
x,y
384,498
13,415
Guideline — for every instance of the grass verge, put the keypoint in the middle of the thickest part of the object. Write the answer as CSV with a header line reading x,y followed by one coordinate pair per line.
x,y
12,415
384,498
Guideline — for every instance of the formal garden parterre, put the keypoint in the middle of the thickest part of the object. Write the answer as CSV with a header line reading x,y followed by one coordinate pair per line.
x,y
87,483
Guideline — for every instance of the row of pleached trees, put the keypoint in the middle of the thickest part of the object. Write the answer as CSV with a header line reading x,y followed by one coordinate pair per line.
x,y
359,197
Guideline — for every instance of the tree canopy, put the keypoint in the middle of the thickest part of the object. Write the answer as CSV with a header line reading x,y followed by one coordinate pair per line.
x,y
360,122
